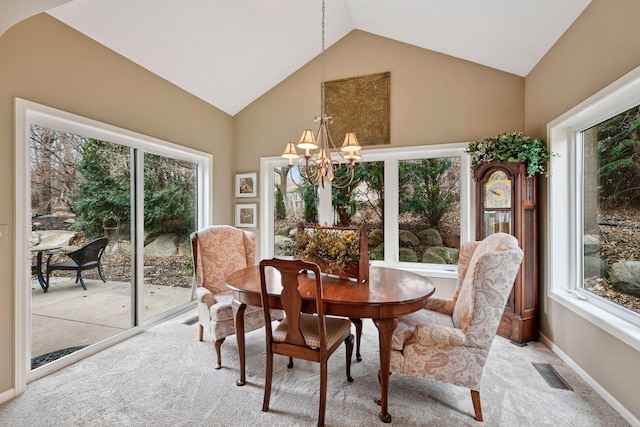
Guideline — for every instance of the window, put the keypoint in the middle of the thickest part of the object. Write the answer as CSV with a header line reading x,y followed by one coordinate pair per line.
x,y
594,208
109,182
611,209
420,195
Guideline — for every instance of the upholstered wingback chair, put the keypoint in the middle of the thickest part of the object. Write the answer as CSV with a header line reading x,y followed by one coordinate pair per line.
x,y
449,340
218,251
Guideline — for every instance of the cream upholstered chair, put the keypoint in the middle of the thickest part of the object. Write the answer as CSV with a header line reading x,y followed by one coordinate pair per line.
x,y
449,340
218,251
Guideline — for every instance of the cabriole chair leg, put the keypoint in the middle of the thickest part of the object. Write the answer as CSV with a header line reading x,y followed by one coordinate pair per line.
x,y
218,344
475,397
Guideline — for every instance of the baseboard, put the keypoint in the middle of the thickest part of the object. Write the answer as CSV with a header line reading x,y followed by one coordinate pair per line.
x,y
7,395
631,419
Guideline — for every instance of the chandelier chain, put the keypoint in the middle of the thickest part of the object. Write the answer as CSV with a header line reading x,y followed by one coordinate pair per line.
x,y
318,167
322,81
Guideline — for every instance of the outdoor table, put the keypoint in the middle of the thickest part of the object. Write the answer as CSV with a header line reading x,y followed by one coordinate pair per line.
x,y
40,249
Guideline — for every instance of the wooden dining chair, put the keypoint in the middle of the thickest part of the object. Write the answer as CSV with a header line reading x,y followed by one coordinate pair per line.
x,y
312,337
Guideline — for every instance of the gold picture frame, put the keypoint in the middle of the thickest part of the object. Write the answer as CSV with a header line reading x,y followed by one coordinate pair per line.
x,y
360,105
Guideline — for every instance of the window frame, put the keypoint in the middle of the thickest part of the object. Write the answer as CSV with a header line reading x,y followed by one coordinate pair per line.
x,y
391,157
26,112
565,201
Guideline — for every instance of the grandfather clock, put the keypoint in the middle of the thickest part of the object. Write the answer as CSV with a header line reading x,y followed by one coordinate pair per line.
x,y
506,202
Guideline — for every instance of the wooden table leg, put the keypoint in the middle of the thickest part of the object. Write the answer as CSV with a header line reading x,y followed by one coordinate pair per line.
x,y
385,334
357,322
238,319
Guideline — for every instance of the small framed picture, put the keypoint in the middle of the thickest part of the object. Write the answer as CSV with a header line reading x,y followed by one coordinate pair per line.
x,y
247,184
247,215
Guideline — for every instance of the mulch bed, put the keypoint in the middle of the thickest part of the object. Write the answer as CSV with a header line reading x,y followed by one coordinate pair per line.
x,y
620,240
164,271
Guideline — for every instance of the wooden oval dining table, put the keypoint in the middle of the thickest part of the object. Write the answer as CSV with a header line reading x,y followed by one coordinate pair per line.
x,y
388,294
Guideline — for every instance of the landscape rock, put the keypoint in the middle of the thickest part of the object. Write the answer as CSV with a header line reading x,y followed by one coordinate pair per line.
x,y
378,253
164,245
595,267
407,255
591,244
407,238
375,237
430,237
52,237
184,248
440,255
284,231
625,276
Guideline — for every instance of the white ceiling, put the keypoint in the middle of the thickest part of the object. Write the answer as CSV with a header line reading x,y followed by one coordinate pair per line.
x,y
230,52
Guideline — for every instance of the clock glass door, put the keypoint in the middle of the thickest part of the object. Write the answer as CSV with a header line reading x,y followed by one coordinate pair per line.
x,y
497,204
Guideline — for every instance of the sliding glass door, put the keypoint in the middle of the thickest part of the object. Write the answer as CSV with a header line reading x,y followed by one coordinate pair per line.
x,y
170,210
87,185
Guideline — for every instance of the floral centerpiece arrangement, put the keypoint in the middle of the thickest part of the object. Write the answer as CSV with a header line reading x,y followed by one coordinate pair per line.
x,y
340,251
512,147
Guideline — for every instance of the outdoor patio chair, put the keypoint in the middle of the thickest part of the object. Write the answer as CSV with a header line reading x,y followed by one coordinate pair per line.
x,y
86,258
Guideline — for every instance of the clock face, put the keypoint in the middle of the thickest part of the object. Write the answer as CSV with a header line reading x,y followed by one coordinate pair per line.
x,y
497,191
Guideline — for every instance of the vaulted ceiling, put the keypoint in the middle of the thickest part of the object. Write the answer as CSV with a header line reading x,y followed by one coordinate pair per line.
x,y
230,52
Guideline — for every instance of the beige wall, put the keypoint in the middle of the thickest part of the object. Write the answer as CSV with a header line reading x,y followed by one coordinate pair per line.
x,y
435,98
600,47
44,61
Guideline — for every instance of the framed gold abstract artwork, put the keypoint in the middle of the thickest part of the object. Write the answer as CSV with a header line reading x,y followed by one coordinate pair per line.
x,y
360,105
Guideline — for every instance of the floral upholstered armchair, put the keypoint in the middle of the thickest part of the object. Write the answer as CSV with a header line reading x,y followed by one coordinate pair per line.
x,y
218,251
449,340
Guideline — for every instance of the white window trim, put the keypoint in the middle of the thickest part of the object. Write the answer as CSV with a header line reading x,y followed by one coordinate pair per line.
x,y
391,156
564,196
27,112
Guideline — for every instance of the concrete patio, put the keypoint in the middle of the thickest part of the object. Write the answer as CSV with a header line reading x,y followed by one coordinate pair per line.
x,y
68,316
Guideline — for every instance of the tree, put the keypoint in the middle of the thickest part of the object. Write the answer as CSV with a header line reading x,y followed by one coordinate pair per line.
x,y
281,209
619,150
169,195
372,173
104,186
365,192
424,189
53,167
310,199
342,198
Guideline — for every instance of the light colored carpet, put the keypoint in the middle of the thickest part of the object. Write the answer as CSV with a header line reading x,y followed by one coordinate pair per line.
x,y
165,377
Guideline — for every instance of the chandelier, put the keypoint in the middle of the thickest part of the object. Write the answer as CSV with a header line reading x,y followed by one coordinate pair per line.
x,y
317,167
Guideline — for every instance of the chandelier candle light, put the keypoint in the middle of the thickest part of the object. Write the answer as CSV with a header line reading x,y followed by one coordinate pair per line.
x,y
318,168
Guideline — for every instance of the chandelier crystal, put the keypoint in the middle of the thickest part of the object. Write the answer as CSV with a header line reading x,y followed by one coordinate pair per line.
x,y
317,167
